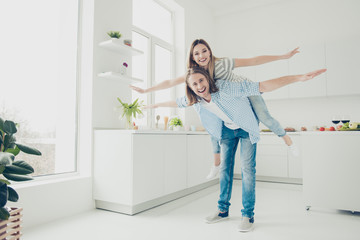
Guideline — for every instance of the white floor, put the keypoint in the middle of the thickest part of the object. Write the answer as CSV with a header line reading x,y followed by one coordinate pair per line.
x,y
279,214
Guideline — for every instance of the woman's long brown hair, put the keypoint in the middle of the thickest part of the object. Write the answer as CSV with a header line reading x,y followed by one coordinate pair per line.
x,y
190,94
191,63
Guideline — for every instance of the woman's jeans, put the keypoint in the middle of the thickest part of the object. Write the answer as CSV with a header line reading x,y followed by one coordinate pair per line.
x,y
260,109
229,143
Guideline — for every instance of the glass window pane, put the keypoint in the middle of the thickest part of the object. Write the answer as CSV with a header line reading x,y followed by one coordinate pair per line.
x,y
162,72
139,70
143,17
39,79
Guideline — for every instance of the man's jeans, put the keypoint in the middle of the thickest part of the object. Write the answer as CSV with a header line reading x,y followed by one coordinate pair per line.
x,y
229,143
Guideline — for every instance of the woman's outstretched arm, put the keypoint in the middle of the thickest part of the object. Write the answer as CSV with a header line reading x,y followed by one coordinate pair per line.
x,y
246,62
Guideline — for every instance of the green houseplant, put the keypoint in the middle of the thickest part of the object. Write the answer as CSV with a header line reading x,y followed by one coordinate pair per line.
x,y
11,169
114,34
176,123
130,110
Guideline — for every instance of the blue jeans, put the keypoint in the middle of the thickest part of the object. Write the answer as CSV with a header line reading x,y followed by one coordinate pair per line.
x,y
229,143
260,109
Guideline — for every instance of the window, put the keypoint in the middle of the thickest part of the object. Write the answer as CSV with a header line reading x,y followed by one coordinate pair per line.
x,y
153,34
39,79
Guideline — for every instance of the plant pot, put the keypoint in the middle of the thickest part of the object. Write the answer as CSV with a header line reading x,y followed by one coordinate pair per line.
x,y
176,128
10,229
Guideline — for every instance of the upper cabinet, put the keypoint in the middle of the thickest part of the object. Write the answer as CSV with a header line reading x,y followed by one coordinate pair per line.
x,y
310,58
273,70
339,56
342,61
117,46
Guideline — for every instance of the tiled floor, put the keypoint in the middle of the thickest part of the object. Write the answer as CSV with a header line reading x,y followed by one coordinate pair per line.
x,y
279,215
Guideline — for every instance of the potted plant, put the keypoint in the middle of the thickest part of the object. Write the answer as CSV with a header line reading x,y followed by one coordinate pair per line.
x,y
114,34
130,110
175,123
11,170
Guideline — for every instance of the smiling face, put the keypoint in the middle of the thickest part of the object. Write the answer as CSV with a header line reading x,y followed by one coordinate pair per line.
x,y
201,55
198,83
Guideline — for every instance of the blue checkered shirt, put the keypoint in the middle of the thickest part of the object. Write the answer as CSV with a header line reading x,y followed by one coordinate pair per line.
x,y
232,100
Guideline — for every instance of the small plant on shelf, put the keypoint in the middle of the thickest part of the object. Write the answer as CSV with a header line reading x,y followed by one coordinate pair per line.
x,y
176,123
114,34
10,169
131,110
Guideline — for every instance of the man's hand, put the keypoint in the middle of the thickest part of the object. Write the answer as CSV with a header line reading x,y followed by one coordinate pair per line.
x,y
311,75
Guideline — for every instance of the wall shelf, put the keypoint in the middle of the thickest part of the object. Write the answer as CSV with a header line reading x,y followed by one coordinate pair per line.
x,y
118,46
119,76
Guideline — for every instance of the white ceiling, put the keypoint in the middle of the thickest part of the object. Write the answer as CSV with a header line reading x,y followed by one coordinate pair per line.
x,y
221,7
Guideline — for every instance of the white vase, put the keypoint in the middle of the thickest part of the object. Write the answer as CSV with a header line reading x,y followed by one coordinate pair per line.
x,y
176,128
123,70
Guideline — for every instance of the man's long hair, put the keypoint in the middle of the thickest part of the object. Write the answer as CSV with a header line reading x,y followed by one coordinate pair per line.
x,y
190,94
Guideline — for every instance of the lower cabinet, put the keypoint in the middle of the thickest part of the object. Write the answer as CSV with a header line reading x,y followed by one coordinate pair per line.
x,y
274,162
200,158
135,171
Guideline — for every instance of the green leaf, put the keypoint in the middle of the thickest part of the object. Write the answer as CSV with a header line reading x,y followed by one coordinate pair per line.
x,y
2,168
10,127
3,194
28,150
12,195
19,167
6,158
5,181
17,177
1,124
14,151
4,214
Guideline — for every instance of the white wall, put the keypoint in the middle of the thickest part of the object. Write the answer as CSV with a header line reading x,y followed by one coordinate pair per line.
x,y
199,23
110,15
277,28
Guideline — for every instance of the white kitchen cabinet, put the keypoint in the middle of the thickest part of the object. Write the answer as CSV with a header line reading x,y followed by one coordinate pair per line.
x,y
274,162
273,70
147,167
200,158
175,163
342,61
271,158
295,162
135,170
310,58
331,164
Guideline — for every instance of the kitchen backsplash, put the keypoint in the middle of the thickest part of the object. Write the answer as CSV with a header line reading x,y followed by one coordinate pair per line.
x,y
311,112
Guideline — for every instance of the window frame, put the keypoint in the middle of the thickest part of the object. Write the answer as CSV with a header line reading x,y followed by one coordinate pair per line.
x,y
76,134
154,40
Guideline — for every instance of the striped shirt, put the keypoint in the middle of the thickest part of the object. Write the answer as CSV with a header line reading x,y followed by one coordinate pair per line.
x,y
224,71
232,100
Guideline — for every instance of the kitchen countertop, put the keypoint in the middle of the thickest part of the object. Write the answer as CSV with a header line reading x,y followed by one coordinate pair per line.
x,y
181,132
154,131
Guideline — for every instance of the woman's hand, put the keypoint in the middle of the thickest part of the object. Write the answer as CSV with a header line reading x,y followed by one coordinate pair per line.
x,y
137,89
311,75
291,53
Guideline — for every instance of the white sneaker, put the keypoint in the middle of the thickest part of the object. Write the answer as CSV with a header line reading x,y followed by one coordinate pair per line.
x,y
246,224
294,150
213,172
